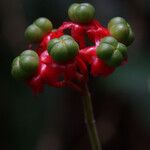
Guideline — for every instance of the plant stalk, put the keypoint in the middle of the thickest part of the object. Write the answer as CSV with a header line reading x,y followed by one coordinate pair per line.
x,y
89,120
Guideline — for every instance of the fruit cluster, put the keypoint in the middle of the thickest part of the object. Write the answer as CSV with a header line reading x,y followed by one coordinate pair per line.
x,y
62,60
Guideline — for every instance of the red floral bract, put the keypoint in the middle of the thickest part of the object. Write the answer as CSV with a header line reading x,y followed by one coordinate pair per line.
x,y
73,73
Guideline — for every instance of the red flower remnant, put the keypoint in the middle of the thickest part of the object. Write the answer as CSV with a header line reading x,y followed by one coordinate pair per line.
x,y
73,73
105,54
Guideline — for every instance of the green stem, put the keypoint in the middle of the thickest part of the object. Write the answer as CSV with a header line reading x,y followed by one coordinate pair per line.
x,y
89,120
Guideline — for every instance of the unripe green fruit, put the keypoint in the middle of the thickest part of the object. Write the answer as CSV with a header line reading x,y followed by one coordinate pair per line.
x,y
116,20
52,43
123,49
110,40
72,11
111,51
81,13
72,48
33,33
59,53
25,65
66,37
29,52
104,50
29,61
44,24
16,70
130,36
116,59
63,49
121,30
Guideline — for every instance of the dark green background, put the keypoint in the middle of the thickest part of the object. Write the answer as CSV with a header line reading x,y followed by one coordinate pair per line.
x,y
53,120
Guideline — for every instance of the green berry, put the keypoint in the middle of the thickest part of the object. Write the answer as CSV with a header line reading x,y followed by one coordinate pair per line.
x,y
28,53
85,13
110,40
130,38
116,20
104,50
123,49
81,13
65,37
59,53
63,49
25,65
51,44
44,24
72,48
121,30
111,51
72,11
29,61
33,33
116,59
16,70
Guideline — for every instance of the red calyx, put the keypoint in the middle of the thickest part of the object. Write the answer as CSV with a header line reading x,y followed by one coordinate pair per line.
x,y
74,73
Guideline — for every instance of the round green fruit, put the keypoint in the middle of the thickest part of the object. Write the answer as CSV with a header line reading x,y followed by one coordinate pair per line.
x,y
51,44
110,40
16,70
44,24
104,51
116,20
111,51
33,33
29,61
123,49
72,11
59,53
63,49
116,59
120,32
81,13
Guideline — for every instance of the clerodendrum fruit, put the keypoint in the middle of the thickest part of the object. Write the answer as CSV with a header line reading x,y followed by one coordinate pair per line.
x,y
44,24
29,61
52,43
121,30
111,51
25,65
16,70
81,13
63,49
35,32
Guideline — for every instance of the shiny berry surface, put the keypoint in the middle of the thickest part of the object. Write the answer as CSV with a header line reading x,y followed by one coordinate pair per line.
x,y
63,49
81,13
111,51
121,30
